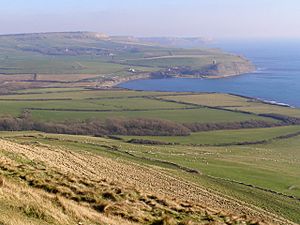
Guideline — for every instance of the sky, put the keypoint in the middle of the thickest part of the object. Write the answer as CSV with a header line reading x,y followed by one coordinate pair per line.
x,y
205,18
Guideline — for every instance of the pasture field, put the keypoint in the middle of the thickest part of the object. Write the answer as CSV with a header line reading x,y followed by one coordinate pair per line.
x,y
83,94
90,104
201,115
193,61
263,175
224,137
213,100
236,103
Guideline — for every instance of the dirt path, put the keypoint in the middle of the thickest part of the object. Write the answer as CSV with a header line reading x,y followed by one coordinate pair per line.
x,y
144,178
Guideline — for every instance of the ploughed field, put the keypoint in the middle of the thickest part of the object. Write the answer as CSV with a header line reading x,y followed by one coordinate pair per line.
x,y
159,158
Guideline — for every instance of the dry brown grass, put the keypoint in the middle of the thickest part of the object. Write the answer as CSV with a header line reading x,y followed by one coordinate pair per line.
x,y
69,183
103,196
20,204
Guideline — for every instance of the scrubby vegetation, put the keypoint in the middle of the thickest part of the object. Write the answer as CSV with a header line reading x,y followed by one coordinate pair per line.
x,y
117,126
96,127
196,127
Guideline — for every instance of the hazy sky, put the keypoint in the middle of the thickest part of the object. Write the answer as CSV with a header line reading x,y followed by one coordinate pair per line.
x,y
209,18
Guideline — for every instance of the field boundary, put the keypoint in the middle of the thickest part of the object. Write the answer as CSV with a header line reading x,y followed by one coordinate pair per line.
x,y
108,110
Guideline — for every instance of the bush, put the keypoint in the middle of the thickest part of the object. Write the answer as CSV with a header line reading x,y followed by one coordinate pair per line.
x,y
143,127
196,127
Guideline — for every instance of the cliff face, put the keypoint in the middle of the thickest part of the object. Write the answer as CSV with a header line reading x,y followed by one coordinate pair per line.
x,y
210,71
230,69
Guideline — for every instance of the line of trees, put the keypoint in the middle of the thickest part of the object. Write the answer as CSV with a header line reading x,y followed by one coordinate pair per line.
x,y
152,127
126,126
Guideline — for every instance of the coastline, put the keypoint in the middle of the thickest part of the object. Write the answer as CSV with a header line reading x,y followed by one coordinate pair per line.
x,y
265,101
114,82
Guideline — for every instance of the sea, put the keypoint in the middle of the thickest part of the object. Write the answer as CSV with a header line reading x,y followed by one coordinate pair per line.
x,y
277,78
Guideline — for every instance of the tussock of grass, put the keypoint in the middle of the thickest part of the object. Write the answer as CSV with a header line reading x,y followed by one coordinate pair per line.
x,y
21,204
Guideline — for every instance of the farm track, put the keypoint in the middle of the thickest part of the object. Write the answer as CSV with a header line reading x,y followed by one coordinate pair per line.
x,y
148,179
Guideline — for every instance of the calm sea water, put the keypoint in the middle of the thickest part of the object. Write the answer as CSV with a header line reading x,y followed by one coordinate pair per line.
x,y
277,77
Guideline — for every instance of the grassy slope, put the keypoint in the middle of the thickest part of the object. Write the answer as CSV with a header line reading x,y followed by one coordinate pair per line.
x,y
70,187
272,166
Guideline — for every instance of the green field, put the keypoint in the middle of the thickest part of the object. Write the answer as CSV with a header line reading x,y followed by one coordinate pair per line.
x,y
224,137
185,116
194,61
71,104
233,102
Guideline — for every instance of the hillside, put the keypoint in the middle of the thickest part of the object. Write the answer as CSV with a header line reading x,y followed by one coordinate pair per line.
x,y
95,59
46,183
175,42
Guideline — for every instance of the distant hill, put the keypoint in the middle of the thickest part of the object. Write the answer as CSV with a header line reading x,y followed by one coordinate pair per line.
x,y
104,60
176,42
184,42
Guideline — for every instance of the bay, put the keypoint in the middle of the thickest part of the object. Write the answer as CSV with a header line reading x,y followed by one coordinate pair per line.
x,y
277,77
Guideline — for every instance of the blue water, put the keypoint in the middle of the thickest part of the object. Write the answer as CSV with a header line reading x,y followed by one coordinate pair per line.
x,y
277,78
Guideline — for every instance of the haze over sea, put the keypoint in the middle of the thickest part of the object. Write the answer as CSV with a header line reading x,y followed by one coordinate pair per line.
x,y
277,77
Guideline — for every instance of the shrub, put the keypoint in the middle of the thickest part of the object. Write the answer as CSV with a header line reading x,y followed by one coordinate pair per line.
x,y
196,127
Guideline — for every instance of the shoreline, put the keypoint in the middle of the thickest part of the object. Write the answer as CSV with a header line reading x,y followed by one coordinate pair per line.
x,y
265,101
119,81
